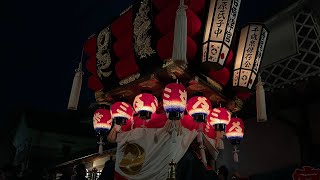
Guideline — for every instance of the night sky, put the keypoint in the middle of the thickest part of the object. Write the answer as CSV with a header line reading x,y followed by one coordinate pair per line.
x,y
41,43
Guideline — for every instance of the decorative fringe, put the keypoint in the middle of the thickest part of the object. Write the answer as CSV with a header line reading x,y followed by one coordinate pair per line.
x,y
260,101
201,146
76,88
235,154
174,128
101,143
179,52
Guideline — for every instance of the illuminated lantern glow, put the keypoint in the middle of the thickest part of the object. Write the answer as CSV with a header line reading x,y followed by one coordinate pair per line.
x,y
121,112
174,100
145,104
251,46
218,33
102,123
219,118
102,120
199,107
235,131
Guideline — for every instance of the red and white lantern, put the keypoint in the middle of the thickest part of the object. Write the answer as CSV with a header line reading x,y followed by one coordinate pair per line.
x,y
235,132
145,104
199,107
174,100
102,120
121,112
219,118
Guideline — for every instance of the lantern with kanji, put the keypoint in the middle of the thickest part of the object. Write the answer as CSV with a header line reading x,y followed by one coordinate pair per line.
x,y
199,107
219,118
121,112
145,104
251,46
102,123
102,120
218,33
234,133
174,100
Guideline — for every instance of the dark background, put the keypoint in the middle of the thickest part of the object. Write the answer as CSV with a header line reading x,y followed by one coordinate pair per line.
x,y
42,41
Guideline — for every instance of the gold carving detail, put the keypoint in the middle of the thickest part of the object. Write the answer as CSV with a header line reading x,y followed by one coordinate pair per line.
x,y
141,26
103,53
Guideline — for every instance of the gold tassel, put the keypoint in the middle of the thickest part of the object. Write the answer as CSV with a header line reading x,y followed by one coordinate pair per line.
x,y
76,88
260,101
179,52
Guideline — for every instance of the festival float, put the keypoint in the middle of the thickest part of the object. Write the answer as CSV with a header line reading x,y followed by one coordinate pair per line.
x,y
168,76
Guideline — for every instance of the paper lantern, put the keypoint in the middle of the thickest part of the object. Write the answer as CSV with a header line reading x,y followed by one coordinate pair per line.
x,y
91,65
121,112
90,46
122,25
94,83
102,120
145,104
199,107
251,46
126,67
123,46
222,76
165,21
196,6
235,131
219,118
165,47
174,100
243,95
219,30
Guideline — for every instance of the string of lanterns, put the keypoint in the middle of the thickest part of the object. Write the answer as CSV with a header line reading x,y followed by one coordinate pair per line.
x,y
108,118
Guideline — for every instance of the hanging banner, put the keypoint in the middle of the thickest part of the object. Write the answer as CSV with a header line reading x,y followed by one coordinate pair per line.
x,y
104,63
144,42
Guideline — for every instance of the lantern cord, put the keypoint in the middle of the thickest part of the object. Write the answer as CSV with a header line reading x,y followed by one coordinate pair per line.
x,y
219,141
132,123
260,101
235,154
179,52
101,143
173,130
76,86
201,146
178,127
112,137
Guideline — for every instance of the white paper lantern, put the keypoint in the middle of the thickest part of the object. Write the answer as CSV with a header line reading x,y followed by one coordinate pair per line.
x,y
219,32
250,51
